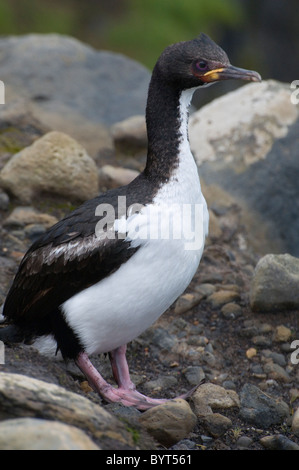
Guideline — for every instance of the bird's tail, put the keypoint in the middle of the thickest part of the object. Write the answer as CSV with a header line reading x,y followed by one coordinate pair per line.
x,y
11,334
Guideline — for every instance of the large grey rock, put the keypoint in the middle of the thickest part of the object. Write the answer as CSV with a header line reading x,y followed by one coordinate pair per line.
x,y
22,396
246,144
39,434
62,74
54,164
71,87
275,283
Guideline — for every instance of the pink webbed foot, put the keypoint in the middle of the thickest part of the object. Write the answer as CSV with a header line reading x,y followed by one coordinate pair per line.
x,y
126,392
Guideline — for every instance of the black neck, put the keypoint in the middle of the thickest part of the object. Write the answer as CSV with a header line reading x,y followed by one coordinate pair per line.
x,y
163,128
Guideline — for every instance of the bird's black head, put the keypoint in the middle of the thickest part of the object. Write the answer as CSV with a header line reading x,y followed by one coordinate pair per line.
x,y
198,62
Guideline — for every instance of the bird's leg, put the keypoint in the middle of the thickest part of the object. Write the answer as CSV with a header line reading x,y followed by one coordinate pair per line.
x,y
120,368
126,392
127,388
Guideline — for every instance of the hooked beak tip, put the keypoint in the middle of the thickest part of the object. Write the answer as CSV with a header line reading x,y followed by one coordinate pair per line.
x,y
231,72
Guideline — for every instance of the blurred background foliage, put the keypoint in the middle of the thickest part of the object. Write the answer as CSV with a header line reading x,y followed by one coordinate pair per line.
x,y
259,34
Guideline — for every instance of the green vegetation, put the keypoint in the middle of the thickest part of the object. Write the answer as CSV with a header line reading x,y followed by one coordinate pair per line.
x,y
135,434
37,16
139,29
147,26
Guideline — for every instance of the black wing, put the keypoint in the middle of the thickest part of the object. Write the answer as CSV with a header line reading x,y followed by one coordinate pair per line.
x,y
68,258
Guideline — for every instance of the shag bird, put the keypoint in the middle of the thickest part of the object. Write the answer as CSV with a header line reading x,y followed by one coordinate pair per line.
x,y
102,275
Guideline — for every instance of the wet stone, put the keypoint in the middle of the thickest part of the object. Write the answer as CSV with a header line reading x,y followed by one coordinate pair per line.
x,y
261,409
216,424
244,442
278,442
194,374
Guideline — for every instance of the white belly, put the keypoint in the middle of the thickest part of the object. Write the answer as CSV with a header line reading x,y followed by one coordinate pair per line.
x,y
118,308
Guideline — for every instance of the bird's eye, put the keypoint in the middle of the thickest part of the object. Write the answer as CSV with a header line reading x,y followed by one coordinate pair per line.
x,y
201,65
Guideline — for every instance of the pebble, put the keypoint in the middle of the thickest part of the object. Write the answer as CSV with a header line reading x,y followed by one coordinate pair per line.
x,y
163,339
206,440
294,394
194,374
216,424
261,341
187,301
184,444
4,201
229,385
170,422
130,133
251,352
161,383
258,371
278,358
116,176
195,340
205,289
222,296
244,442
211,278
208,358
39,434
265,328
278,442
276,372
210,397
275,282
231,310
295,423
248,331
126,412
282,334
34,231
260,409
23,216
